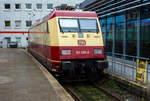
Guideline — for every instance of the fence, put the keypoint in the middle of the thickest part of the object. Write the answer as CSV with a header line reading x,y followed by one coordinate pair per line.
x,y
126,66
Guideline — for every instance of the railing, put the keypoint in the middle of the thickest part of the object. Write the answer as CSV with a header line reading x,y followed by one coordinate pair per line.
x,y
126,66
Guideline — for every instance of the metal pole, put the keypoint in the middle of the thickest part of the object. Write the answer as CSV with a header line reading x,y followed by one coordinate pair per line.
x,y
147,78
133,71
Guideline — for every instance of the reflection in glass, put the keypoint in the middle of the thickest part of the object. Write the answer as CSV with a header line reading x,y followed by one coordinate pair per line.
x,y
145,38
120,28
103,28
131,36
145,32
109,35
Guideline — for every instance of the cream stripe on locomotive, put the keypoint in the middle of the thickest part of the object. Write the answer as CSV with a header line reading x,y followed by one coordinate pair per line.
x,y
57,38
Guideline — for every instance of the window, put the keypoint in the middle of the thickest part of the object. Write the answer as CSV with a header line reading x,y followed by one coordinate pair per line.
x,y
28,23
7,23
103,25
39,6
28,5
49,6
72,25
103,28
88,25
131,32
109,35
17,23
7,6
8,39
119,32
145,32
68,25
145,12
18,6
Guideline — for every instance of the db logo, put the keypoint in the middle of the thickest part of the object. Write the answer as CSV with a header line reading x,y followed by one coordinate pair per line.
x,y
81,42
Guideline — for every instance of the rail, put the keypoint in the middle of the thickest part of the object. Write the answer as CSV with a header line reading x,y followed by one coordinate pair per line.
x,y
107,93
75,97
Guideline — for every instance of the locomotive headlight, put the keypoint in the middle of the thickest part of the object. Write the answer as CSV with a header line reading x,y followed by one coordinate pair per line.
x,y
65,52
98,51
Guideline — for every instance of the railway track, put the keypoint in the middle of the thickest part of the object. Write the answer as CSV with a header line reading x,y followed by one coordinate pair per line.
x,y
104,90
72,93
107,93
100,89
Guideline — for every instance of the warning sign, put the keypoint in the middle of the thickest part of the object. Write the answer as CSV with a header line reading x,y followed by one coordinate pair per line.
x,y
141,71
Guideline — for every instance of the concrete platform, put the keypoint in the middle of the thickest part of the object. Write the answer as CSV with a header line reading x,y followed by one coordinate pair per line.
x,y
22,78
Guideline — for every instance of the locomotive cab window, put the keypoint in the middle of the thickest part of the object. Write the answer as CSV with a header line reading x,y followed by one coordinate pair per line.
x,y
68,25
78,25
88,25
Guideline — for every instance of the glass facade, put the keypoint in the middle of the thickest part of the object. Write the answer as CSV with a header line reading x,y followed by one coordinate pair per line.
x,y
131,33
119,33
103,28
109,33
145,32
125,25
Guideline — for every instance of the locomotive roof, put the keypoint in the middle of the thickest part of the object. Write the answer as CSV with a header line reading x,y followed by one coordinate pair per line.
x,y
60,13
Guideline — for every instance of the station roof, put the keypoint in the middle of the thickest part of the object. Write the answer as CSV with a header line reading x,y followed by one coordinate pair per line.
x,y
62,13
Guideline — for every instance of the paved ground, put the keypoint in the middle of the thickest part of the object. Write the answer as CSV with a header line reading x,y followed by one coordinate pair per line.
x,y
22,80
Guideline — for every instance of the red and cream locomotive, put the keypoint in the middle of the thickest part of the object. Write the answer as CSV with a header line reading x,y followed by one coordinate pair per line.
x,y
70,44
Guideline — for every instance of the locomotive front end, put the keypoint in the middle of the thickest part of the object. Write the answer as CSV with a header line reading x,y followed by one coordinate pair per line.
x,y
81,48
69,44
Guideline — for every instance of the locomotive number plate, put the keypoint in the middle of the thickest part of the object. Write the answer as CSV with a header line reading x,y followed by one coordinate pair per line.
x,y
82,52
81,42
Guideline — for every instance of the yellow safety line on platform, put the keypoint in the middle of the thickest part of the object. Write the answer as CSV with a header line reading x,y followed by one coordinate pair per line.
x,y
64,96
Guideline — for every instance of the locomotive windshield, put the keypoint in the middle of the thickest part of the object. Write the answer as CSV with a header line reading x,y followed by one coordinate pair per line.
x,y
69,25
78,25
88,25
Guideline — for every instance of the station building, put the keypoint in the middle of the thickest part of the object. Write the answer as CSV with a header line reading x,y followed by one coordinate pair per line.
x,y
16,17
125,25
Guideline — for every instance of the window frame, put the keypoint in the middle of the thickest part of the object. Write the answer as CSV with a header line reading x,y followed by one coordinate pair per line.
x,y
27,5
50,5
27,23
17,21
6,24
19,5
9,6
39,4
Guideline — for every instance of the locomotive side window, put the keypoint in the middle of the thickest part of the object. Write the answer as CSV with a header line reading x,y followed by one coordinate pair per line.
x,y
68,25
88,25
